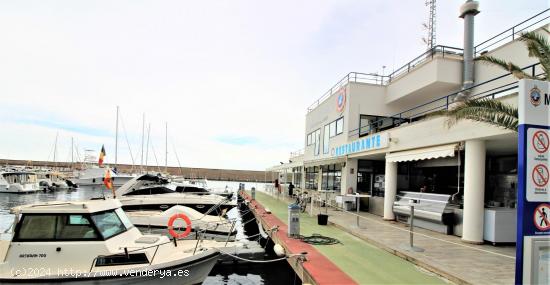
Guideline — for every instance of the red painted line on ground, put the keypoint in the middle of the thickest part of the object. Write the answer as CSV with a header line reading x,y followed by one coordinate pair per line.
x,y
320,268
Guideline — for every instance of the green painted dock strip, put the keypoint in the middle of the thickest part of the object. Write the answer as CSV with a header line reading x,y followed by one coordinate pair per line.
x,y
365,263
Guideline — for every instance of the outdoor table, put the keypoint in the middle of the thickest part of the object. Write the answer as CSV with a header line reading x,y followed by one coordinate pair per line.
x,y
358,202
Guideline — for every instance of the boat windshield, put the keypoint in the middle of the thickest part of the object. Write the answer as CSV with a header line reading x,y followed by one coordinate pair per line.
x,y
46,227
125,220
109,223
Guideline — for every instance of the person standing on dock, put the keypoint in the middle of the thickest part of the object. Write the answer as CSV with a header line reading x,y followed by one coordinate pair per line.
x,y
277,186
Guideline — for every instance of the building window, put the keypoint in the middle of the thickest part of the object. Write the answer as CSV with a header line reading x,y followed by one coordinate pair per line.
x,y
339,126
317,139
314,138
311,178
326,138
336,127
297,176
332,177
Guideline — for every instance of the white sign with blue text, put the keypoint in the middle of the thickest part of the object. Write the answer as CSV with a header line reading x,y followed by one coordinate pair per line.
x,y
533,205
367,143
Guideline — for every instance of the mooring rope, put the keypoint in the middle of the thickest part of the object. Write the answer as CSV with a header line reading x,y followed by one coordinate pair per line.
x,y
317,239
263,261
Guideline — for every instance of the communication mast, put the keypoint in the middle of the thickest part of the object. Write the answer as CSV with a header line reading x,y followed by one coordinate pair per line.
x,y
430,25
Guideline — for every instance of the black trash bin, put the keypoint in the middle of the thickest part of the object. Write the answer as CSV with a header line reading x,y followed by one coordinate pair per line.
x,y
322,219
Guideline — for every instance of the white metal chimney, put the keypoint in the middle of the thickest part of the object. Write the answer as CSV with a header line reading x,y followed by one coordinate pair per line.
x,y
468,11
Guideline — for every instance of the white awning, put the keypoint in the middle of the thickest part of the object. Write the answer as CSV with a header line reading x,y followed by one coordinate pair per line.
x,y
325,161
423,153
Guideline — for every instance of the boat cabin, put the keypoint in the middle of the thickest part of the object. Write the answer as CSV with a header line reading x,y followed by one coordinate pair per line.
x,y
20,177
51,233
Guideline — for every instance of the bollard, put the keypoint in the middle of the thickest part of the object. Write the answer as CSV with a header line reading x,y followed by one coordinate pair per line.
x,y
253,193
293,220
411,246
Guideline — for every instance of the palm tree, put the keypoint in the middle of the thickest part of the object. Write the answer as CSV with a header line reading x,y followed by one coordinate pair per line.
x,y
484,110
495,112
537,46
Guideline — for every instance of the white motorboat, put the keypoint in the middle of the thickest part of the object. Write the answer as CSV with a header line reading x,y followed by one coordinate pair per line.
x,y
199,186
152,192
94,242
49,180
94,176
210,226
19,182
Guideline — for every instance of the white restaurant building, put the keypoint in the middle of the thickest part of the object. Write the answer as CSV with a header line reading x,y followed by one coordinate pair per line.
x,y
372,134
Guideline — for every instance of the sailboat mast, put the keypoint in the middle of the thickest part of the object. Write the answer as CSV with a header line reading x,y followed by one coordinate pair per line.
x,y
147,149
72,152
142,140
116,138
55,149
166,149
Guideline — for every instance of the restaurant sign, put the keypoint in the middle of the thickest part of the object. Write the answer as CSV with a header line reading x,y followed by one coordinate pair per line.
x,y
367,143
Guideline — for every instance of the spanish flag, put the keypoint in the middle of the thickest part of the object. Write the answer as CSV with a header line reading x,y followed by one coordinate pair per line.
x,y
102,155
107,179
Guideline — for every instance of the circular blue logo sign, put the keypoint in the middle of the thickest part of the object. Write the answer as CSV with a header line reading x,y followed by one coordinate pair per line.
x,y
535,96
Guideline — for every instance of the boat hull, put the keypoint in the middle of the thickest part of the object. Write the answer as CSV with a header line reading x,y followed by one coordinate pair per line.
x,y
186,273
116,181
202,208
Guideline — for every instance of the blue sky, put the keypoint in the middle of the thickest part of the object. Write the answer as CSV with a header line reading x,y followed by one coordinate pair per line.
x,y
233,79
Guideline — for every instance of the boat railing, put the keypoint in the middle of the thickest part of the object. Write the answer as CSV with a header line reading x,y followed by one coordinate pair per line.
x,y
217,205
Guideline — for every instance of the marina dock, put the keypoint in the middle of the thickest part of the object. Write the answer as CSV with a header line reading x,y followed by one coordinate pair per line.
x,y
353,261
373,253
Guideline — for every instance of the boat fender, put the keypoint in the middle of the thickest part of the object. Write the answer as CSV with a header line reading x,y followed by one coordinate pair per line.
x,y
263,234
171,225
279,250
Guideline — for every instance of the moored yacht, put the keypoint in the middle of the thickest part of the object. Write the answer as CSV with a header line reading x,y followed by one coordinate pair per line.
x,y
94,241
94,176
152,192
18,182
210,226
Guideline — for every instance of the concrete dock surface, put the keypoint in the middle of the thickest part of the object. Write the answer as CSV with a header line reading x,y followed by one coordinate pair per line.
x,y
362,261
444,255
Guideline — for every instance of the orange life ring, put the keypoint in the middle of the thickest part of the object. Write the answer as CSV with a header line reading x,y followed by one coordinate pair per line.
x,y
171,226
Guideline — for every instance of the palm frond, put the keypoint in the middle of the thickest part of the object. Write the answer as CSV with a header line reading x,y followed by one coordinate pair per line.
x,y
539,47
483,110
508,66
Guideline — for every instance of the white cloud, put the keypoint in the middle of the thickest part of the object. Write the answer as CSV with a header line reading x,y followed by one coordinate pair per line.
x,y
210,69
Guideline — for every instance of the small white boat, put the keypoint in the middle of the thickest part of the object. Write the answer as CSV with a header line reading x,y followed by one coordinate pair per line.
x,y
18,182
94,176
94,242
214,227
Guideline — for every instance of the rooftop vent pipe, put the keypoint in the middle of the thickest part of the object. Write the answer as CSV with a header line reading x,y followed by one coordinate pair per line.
x,y
467,11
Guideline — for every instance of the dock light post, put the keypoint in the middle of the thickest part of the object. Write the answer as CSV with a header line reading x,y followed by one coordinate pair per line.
x,y
411,246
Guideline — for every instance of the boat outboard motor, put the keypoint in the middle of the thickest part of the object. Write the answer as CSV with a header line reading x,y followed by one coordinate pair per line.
x,y
71,184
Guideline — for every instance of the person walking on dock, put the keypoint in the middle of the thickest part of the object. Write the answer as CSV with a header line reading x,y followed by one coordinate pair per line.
x,y
290,189
277,186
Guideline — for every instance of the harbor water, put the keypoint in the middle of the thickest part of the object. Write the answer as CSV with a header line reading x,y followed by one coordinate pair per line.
x,y
248,273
